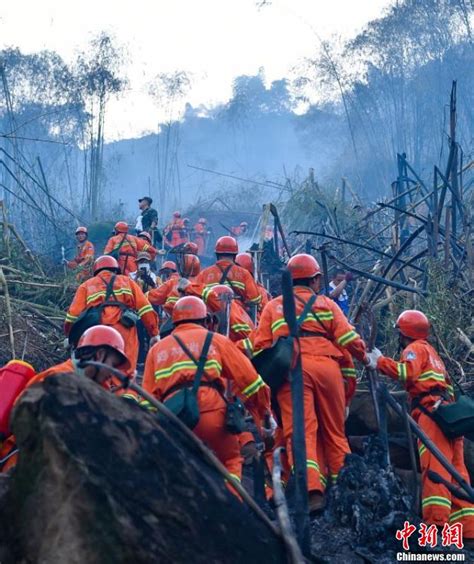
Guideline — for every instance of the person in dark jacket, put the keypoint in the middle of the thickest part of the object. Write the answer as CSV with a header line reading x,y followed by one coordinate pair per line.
x,y
148,219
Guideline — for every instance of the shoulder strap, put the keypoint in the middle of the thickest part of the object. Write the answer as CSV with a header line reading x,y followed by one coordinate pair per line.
x,y
202,359
225,273
307,309
109,290
122,242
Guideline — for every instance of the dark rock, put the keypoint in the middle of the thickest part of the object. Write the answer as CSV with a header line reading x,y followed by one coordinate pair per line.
x,y
100,481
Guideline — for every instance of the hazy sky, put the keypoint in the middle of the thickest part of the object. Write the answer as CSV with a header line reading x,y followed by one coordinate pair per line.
x,y
214,40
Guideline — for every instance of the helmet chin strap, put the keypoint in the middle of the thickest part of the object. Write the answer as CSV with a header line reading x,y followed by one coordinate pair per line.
x,y
79,367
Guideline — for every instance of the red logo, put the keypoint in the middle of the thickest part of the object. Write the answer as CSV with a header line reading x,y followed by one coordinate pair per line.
x,y
428,535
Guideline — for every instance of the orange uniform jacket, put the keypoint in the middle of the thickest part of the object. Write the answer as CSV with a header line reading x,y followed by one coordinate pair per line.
x,y
420,370
83,261
200,237
166,294
240,323
239,279
128,250
167,365
178,234
333,329
92,293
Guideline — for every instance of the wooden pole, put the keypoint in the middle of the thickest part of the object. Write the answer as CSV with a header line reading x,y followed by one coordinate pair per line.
x,y
8,311
447,238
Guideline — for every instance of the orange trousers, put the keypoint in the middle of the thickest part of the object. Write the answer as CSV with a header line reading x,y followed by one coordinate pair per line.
x,y
324,405
130,337
211,430
438,506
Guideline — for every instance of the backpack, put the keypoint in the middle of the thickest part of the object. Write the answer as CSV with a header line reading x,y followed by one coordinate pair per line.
x,y
274,364
183,403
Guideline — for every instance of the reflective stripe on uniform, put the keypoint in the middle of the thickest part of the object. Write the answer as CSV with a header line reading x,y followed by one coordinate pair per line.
x,y
116,292
347,338
145,309
71,318
145,404
402,372
253,387
431,375
248,345
422,449
278,324
466,512
185,365
349,372
130,397
240,327
436,500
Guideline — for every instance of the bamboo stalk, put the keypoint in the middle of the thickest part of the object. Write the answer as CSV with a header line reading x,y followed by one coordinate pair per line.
x,y
8,311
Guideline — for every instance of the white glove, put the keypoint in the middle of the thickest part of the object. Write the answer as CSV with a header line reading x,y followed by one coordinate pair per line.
x,y
346,413
64,261
183,284
270,431
66,343
154,340
373,357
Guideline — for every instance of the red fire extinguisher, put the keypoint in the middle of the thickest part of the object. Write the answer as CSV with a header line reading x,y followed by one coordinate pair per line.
x,y
14,377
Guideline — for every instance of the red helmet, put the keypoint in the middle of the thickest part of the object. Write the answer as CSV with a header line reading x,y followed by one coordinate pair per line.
x,y
176,214
202,220
145,235
413,324
121,227
303,266
189,308
222,293
226,245
169,265
106,262
191,266
105,336
81,229
191,248
245,261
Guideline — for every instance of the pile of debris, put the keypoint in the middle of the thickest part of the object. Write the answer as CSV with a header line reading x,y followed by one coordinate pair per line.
x,y
32,304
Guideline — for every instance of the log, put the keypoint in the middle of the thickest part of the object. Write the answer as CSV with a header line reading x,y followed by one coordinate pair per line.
x,y
126,488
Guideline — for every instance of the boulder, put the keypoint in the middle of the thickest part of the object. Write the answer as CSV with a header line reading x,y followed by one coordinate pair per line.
x,y
99,480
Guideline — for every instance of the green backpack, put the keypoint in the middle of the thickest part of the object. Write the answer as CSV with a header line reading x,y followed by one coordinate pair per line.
x,y
183,403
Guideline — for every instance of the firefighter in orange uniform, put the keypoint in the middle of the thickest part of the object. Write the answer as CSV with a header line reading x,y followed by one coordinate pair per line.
x,y
225,271
84,259
125,247
245,261
168,368
240,230
101,344
200,235
239,323
175,231
127,305
168,294
323,331
159,296
422,372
